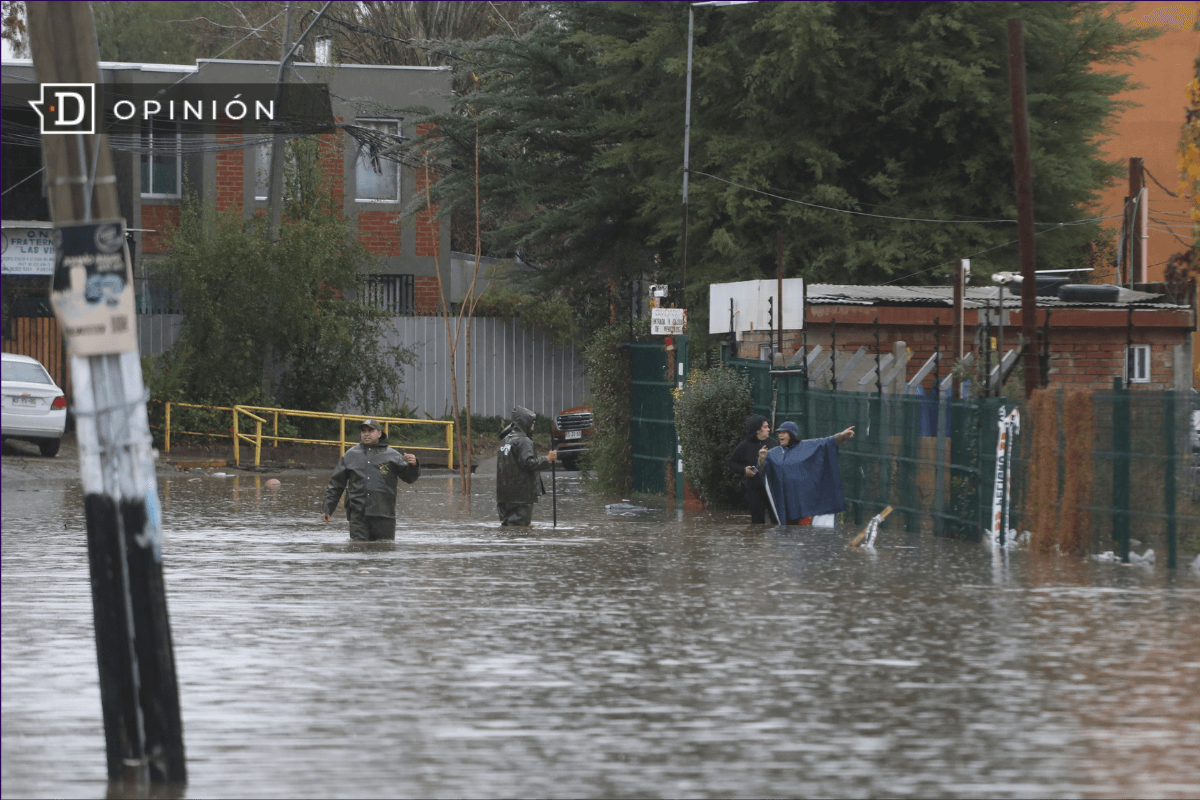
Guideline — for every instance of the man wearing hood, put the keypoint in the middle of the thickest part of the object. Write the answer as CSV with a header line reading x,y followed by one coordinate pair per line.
x,y
517,466
367,473
747,462
803,477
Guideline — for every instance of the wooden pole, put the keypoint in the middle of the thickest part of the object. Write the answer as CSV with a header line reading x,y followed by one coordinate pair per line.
x,y
139,695
1138,197
1023,168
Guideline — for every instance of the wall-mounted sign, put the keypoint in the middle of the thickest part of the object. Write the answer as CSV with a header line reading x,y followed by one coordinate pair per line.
x,y
28,251
751,310
668,321
92,289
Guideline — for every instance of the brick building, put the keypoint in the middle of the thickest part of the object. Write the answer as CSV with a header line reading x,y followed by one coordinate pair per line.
x,y
1147,335
229,167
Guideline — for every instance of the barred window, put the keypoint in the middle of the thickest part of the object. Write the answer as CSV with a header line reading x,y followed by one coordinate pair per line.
x,y
392,293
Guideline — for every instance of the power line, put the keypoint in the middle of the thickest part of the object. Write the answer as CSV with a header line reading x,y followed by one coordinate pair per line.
x,y
884,216
1156,180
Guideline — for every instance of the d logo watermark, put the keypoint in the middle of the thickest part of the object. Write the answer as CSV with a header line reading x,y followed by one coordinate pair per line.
x,y
67,108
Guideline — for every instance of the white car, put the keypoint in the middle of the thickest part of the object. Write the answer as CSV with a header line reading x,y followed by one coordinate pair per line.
x,y
34,409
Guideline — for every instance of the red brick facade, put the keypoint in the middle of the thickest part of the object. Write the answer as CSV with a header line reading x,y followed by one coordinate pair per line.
x,y
428,228
330,156
163,220
1087,347
229,174
379,231
426,298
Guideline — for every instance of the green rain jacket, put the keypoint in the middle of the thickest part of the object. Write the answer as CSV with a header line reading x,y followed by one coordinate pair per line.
x,y
517,463
367,474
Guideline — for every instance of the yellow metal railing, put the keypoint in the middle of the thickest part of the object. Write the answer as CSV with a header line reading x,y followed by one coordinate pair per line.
x,y
258,437
167,423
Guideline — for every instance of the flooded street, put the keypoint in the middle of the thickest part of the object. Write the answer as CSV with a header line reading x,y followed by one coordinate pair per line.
x,y
622,656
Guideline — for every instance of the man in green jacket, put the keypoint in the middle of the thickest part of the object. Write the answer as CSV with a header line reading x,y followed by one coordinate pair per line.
x,y
517,466
367,473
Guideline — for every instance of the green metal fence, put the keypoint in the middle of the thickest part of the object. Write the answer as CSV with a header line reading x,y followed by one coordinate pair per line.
x,y
934,462
652,418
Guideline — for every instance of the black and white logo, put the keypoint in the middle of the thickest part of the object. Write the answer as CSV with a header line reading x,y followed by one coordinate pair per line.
x,y
67,108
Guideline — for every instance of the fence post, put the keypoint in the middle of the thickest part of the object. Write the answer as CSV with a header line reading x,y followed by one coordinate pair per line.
x,y
1120,448
909,443
167,434
1169,483
237,446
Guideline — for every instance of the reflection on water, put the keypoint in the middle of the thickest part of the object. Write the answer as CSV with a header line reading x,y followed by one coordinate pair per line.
x,y
610,656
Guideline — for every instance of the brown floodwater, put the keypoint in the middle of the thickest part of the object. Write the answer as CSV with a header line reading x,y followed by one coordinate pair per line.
x,y
652,654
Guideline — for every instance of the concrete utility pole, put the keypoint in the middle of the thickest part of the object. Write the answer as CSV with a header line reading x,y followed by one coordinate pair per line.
x,y
1024,179
139,695
1137,217
278,142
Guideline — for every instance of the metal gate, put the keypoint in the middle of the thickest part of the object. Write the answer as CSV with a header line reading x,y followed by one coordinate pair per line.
x,y
656,368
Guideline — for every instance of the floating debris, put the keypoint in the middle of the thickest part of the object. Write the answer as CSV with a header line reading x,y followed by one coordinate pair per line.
x,y
625,509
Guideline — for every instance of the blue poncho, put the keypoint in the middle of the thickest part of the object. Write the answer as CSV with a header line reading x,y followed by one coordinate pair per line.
x,y
805,480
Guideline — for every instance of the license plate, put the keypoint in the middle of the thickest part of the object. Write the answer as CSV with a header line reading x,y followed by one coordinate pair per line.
x,y
574,435
24,401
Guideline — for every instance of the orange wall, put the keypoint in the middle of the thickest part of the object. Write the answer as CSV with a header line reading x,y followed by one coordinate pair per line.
x,y
1151,130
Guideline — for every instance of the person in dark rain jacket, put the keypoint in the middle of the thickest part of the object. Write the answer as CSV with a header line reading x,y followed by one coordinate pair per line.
x,y
747,462
367,473
803,478
517,467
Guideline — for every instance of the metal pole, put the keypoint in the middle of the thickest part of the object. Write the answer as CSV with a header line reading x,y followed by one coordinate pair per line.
x,y
779,294
1024,180
959,289
687,136
139,695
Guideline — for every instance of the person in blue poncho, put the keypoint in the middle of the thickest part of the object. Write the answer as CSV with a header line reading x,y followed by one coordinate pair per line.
x,y
803,478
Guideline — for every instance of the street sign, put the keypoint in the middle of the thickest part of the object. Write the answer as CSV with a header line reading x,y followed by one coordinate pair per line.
x,y
668,321
27,251
92,289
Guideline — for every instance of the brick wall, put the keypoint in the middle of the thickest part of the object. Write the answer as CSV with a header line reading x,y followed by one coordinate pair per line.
x,y
331,158
428,229
229,172
379,231
426,298
161,219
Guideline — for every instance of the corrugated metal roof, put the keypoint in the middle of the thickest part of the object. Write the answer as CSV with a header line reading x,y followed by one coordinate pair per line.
x,y
974,297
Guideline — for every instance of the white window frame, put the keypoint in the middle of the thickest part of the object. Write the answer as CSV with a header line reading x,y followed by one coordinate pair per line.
x,y
1137,363
264,149
149,165
358,155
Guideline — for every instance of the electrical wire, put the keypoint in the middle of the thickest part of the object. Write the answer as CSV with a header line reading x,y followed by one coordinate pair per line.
x,y
1058,226
1156,180
18,183
884,216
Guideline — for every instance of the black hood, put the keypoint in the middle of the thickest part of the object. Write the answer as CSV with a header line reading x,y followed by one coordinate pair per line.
x,y
753,423
522,420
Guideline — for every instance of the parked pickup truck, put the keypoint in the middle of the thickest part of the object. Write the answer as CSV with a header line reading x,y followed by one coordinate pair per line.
x,y
572,431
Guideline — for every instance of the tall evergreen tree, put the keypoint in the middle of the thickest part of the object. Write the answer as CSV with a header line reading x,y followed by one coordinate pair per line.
x,y
896,111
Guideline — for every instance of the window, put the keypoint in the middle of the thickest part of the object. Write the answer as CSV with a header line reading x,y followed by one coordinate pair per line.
x,y
1137,363
262,169
377,177
161,170
391,293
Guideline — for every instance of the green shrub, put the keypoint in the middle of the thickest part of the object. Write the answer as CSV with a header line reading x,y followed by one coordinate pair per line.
x,y
710,417
608,464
